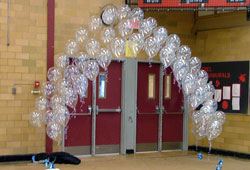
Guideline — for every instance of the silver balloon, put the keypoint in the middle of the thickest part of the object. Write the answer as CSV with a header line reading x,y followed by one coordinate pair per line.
x,y
151,47
62,61
124,11
209,91
81,61
107,35
71,47
209,107
48,89
104,58
109,15
183,52
81,85
167,56
136,43
92,47
92,70
81,35
161,34
41,103
118,47
54,74
220,116
54,131
174,41
125,28
95,24
195,64
36,118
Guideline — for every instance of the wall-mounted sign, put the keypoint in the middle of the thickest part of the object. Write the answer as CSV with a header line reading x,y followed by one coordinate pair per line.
x,y
192,3
231,82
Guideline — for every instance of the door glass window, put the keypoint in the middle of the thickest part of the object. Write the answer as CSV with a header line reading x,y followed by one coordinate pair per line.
x,y
151,86
167,89
102,85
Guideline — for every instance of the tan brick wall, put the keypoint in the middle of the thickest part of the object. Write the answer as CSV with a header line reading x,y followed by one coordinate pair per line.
x,y
226,38
21,63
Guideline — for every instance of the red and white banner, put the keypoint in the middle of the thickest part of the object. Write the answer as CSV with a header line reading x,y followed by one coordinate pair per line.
x,y
192,3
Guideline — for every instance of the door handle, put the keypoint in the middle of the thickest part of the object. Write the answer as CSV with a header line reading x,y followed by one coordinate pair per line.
x,y
83,114
157,110
118,110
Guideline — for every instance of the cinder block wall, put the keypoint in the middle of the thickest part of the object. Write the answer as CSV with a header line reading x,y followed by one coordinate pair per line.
x,y
225,37
21,63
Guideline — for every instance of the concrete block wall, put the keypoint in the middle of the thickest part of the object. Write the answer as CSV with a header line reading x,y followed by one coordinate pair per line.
x,y
21,63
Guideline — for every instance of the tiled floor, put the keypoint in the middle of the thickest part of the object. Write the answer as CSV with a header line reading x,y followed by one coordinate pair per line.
x,y
146,161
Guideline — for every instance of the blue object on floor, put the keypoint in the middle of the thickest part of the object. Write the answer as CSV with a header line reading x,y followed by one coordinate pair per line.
x,y
220,162
218,167
199,155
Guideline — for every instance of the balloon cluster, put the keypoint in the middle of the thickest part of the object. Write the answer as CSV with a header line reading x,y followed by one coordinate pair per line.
x,y
94,46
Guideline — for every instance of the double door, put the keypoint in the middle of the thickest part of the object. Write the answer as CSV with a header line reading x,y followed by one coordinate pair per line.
x,y
159,109
95,128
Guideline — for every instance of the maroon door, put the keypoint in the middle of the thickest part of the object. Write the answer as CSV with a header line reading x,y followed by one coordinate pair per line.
x,y
108,100
78,131
172,123
147,104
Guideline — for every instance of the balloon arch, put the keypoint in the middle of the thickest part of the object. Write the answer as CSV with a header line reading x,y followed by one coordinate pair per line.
x,y
116,32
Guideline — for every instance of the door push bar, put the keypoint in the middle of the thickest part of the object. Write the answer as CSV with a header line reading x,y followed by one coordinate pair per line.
x,y
83,114
108,110
157,110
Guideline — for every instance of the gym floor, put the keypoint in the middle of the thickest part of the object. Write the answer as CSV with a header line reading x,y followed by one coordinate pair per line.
x,y
146,161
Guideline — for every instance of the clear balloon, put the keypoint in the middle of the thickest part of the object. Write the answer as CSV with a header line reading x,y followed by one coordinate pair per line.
x,y
81,35
151,47
81,61
107,35
81,85
147,26
125,28
71,47
161,34
41,103
71,73
136,43
62,115
104,58
118,47
92,70
209,107
36,118
109,15
167,56
54,74
62,61
57,100
71,97
220,116
195,65
124,11
63,85
189,84
137,14
174,41
54,131
92,47
214,129
202,77
49,117
183,52
48,89
95,24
